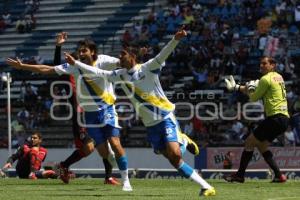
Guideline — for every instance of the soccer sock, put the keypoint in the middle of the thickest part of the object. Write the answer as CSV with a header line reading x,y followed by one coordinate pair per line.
x,y
268,156
108,168
123,166
73,158
245,159
188,172
183,148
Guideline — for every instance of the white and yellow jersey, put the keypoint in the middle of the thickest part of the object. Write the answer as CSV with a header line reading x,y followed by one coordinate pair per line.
x,y
93,93
141,85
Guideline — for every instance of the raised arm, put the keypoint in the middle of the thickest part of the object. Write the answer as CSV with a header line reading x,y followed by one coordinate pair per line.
x,y
43,69
156,62
87,69
60,40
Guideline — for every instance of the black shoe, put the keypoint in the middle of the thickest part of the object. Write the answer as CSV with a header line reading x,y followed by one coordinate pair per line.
x,y
234,178
281,179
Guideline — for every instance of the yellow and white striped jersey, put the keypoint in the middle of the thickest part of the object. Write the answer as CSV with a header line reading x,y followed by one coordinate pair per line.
x,y
141,85
93,93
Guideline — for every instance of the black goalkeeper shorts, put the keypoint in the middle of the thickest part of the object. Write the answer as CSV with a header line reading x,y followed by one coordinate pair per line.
x,y
271,127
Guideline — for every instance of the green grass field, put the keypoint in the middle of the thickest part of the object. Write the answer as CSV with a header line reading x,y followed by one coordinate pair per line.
x,y
85,189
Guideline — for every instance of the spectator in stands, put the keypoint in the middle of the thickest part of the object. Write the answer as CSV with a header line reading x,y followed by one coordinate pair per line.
x,y
7,18
21,25
18,132
289,137
30,96
144,36
29,8
2,25
200,76
127,38
295,123
188,16
23,91
296,106
30,157
29,25
23,117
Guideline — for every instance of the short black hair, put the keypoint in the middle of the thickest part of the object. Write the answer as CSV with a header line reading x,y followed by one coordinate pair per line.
x,y
89,43
38,133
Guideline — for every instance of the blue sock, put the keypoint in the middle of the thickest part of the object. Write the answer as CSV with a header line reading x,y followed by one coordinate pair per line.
x,y
122,162
185,170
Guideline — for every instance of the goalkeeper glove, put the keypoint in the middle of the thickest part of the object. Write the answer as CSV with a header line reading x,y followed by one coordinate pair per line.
x,y
251,85
231,85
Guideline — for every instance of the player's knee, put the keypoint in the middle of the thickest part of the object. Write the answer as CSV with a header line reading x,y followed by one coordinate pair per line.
x,y
87,149
174,159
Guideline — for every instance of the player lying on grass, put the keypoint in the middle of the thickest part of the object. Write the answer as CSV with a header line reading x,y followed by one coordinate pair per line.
x,y
30,157
271,90
141,84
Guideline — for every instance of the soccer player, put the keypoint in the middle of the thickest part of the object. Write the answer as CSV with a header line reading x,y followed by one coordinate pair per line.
x,y
30,157
141,84
271,89
96,97
81,139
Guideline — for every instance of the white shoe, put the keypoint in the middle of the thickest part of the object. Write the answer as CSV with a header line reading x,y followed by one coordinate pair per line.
x,y
127,187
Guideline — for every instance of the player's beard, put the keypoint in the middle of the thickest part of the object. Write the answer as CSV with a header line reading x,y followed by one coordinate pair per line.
x,y
86,60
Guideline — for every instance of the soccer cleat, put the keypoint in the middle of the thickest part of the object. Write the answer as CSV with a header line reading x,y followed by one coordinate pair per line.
x,y
208,192
112,181
234,178
281,179
127,187
63,173
192,147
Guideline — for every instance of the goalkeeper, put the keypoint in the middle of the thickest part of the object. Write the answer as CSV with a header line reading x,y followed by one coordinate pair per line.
x,y
271,89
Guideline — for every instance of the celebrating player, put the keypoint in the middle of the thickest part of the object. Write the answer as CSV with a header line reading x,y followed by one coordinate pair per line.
x,y
141,84
83,142
271,90
96,96
30,157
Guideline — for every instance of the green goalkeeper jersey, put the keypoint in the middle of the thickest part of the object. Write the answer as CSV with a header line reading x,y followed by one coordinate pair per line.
x,y
271,90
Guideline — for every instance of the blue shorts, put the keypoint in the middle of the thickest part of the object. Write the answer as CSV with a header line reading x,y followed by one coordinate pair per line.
x,y
163,132
102,125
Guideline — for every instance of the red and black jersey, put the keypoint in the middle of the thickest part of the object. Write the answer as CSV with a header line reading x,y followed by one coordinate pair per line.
x,y
78,132
29,159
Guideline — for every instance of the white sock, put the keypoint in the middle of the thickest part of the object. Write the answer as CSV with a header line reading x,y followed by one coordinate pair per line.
x,y
198,179
124,175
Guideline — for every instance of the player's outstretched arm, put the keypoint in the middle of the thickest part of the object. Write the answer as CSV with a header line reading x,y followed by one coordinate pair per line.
x,y
17,64
248,88
87,69
167,50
